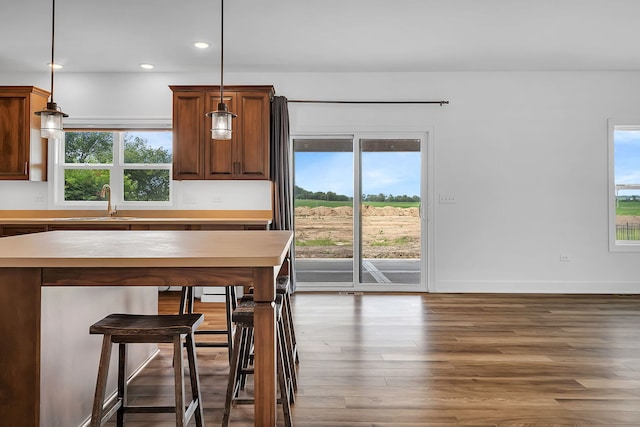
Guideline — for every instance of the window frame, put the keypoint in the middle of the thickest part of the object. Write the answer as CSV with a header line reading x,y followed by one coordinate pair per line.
x,y
616,245
116,170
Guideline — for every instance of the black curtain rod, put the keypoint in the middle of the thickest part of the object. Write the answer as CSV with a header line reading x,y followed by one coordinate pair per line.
x,y
366,102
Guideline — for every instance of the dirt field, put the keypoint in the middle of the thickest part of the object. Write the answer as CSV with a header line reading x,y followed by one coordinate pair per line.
x,y
328,232
622,219
388,232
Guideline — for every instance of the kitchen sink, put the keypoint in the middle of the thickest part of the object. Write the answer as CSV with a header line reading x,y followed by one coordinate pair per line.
x,y
98,218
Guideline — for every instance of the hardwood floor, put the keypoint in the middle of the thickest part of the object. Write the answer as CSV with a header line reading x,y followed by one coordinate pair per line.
x,y
440,360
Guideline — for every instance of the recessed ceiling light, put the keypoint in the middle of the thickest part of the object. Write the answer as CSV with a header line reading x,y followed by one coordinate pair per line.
x,y
201,45
55,66
146,66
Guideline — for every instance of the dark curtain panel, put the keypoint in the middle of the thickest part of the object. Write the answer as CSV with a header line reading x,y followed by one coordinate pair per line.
x,y
281,172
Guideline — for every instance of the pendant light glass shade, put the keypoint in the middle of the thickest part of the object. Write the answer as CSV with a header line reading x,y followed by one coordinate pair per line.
x,y
51,121
221,122
221,119
51,117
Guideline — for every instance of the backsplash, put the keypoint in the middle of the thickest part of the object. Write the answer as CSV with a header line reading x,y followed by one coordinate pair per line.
x,y
187,195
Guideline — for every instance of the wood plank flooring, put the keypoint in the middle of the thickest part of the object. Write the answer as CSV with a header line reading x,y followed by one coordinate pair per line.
x,y
441,360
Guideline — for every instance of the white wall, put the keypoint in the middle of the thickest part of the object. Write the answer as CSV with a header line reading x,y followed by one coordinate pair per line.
x,y
70,355
524,154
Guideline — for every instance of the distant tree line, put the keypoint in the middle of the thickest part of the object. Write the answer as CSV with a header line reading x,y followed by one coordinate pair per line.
x,y
302,194
389,198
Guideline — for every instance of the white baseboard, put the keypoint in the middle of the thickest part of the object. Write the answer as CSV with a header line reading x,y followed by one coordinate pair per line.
x,y
536,287
212,298
216,294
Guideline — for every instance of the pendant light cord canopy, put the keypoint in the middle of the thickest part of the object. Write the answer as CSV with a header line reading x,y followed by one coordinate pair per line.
x,y
51,117
221,118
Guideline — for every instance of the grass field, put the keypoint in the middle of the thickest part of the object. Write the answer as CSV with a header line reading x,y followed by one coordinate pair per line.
x,y
628,207
625,207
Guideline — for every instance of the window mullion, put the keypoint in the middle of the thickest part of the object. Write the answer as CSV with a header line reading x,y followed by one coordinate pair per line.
x,y
116,173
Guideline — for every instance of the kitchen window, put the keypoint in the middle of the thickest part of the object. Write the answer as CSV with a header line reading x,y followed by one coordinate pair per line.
x,y
135,163
624,186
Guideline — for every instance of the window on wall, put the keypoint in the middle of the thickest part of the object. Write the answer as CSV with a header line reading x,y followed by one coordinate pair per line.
x,y
624,150
135,164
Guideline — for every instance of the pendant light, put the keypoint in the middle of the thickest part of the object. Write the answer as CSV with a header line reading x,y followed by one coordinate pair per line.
x,y
51,117
221,118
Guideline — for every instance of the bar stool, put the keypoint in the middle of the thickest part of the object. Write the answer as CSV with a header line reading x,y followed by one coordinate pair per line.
x,y
130,328
240,367
187,298
283,288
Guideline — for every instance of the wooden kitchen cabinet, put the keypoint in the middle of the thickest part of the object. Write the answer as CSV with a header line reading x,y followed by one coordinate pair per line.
x,y
245,156
18,229
23,153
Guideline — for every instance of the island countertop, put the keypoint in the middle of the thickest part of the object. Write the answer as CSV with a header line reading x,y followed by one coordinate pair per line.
x,y
148,248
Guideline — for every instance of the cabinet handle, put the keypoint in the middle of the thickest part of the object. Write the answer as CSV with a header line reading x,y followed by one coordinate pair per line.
x,y
26,168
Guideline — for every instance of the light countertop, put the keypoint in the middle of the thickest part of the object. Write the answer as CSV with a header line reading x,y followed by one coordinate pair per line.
x,y
100,248
260,217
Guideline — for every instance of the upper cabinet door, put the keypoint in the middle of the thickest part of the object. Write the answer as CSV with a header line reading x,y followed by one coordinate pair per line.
x,y
23,153
188,146
252,155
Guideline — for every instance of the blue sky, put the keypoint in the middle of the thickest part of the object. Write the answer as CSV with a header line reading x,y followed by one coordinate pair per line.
x,y
155,139
627,159
386,173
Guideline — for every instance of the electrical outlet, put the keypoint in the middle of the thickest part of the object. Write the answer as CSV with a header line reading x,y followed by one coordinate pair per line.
x,y
565,258
447,199
217,198
189,199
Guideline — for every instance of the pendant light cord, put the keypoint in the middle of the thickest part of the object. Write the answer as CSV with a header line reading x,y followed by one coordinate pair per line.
x,y
53,32
221,50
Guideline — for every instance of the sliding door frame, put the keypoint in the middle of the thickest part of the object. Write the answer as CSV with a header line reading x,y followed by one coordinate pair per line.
x,y
426,210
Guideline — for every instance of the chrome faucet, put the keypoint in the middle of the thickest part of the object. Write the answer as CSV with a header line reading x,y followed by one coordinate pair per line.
x,y
106,191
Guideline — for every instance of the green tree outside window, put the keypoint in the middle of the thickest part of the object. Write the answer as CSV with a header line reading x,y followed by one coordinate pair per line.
x,y
95,148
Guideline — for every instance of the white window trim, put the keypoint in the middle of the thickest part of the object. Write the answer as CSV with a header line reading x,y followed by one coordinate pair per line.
x,y
614,244
115,170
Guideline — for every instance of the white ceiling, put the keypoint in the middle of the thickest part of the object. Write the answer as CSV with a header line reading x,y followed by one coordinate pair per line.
x,y
327,35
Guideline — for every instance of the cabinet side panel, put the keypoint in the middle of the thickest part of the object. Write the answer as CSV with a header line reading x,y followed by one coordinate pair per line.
x,y
188,122
254,150
14,141
39,146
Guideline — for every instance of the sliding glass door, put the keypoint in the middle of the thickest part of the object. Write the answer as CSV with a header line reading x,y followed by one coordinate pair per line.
x,y
323,193
390,211
357,212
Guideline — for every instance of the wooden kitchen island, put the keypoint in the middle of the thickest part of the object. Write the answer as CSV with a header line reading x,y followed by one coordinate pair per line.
x,y
29,263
